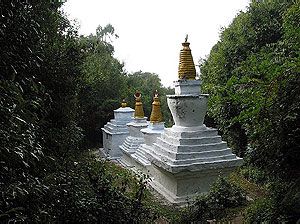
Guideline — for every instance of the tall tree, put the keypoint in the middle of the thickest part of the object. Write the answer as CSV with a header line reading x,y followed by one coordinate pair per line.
x,y
103,84
252,75
39,74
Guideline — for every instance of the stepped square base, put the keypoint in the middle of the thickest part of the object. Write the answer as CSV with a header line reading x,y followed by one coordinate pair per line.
x,y
129,148
132,142
179,188
177,151
150,135
185,163
140,156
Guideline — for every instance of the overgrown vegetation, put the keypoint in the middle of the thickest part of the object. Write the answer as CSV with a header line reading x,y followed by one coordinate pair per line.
x,y
223,196
58,89
252,75
49,98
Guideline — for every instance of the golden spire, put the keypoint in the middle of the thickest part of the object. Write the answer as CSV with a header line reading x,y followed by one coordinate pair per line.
x,y
124,104
138,112
186,64
156,116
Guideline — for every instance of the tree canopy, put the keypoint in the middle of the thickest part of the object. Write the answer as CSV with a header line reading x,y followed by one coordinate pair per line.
x,y
252,76
58,89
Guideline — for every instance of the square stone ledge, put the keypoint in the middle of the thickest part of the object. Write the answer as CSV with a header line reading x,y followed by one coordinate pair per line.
x,y
197,167
184,86
182,187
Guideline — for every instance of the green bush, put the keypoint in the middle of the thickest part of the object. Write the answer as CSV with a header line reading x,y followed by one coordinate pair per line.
x,y
282,204
222,196
92,191
87,191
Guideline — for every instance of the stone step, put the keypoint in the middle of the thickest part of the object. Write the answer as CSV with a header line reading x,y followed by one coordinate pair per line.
x,y
131,144
116,127
140,156
191,134
110,124
120,122
141,151
191,161
206,160
190,155
127,149
191,141
116,130
191,148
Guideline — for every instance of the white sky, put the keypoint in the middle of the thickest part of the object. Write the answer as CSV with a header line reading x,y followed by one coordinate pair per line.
x,y
151,32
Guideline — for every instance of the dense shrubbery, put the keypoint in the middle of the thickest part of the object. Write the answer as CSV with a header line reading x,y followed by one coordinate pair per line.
x,y
252,75
38,127
91,191
43,86
222,196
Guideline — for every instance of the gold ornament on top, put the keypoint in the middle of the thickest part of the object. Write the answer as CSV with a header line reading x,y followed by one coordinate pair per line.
x,y
156,116
186,64
124,104
138,112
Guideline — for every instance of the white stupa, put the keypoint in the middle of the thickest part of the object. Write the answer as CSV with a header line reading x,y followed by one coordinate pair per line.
x,y
115,132
135,138
188,157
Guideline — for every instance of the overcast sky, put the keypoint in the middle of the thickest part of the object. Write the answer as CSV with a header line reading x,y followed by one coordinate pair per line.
x,y
151,32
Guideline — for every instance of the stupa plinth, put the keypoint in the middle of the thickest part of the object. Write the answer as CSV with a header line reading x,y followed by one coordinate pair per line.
x,y
115,132
188,157
150,134
135,138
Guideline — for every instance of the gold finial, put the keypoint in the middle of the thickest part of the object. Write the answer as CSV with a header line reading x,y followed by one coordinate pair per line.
x,y
124,104
186,64
138,112
156,116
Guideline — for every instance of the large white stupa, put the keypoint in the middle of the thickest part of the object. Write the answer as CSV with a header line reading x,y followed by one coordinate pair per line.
x,y
188,157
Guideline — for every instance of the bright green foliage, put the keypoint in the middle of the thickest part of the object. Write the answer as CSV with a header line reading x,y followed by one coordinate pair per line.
x,y
252,75
38,109
92,191
222,196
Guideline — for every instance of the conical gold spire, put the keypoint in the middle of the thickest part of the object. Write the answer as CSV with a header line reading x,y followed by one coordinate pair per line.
x,y
186,64
138,112
156,116
124,104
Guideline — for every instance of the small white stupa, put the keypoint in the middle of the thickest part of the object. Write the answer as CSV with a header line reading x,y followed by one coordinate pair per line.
x,y
150,134
115,132
188,157
133,141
